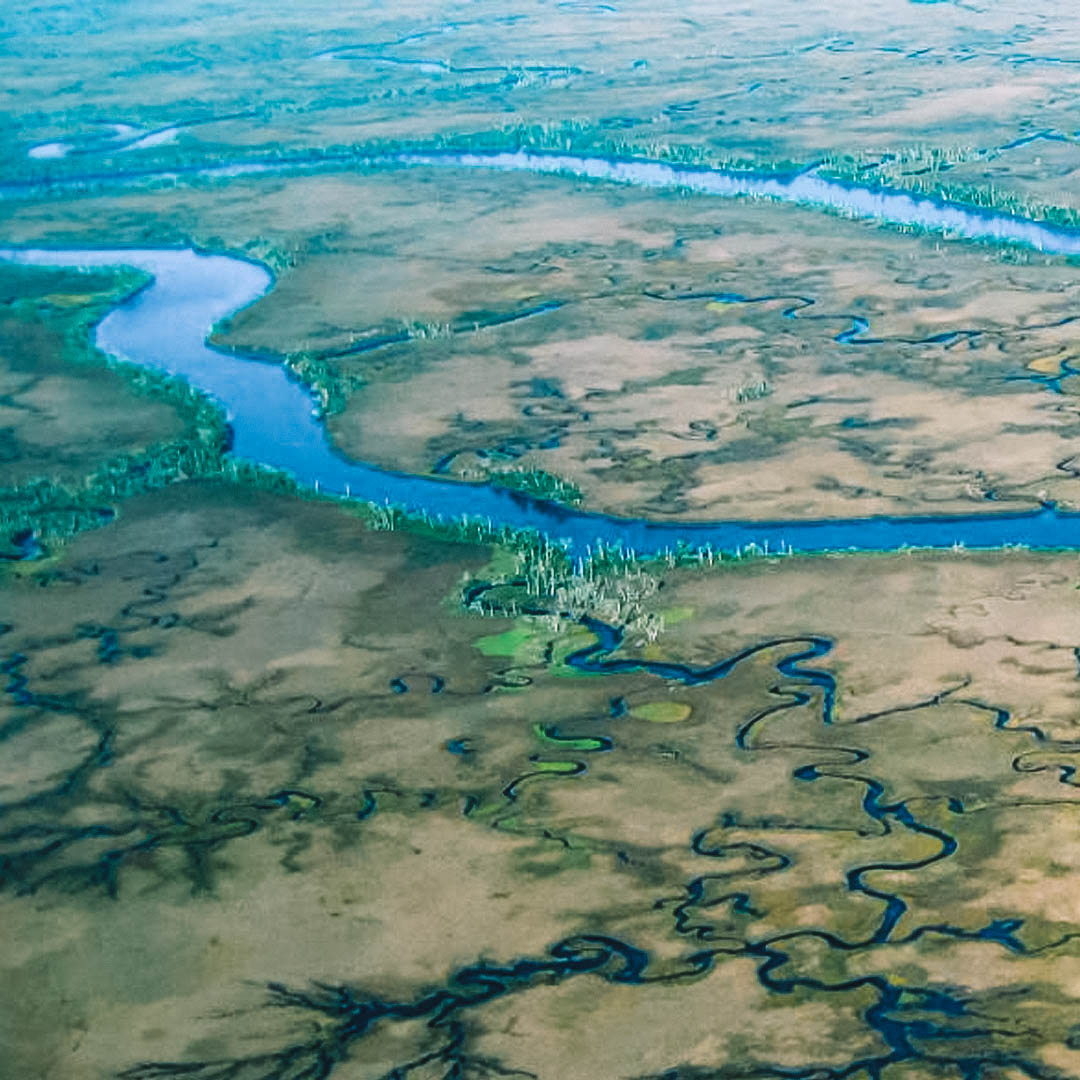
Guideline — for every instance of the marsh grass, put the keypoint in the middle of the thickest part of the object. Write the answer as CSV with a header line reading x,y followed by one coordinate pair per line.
x,y
923,170
57,510
538,484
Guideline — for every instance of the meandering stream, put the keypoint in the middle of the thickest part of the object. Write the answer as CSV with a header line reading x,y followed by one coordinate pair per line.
x,y
275,420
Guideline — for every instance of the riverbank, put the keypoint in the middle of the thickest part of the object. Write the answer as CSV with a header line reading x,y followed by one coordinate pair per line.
x,y
274,423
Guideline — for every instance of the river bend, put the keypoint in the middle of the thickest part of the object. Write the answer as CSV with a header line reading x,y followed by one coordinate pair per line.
x,y
275,422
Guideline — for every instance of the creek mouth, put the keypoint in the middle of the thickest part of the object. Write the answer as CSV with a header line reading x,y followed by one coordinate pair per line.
x,y
275,422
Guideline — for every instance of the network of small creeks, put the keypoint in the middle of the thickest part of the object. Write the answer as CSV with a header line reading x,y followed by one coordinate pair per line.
x,y
906,1017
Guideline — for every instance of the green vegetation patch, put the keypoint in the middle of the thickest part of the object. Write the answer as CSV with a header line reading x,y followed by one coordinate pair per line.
x,y
513,642
661,712
538,484
74,439
549,735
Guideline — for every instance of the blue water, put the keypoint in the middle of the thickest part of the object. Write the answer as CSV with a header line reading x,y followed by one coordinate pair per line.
x,y
275,422
806,188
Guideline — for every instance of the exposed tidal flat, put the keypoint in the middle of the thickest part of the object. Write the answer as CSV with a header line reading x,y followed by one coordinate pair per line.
x,y
227,773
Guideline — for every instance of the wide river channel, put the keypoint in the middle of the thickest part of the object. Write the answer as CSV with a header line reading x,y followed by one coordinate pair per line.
x,y
275,420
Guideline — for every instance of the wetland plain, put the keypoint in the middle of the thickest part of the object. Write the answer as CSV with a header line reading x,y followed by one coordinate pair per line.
x,y
322,755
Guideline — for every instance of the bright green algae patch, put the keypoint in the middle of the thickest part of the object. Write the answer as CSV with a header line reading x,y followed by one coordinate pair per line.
x,y
661,712
550,735
513,642
556,766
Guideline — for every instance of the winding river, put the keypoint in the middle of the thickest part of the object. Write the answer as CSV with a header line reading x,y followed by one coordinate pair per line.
x,y
275,420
